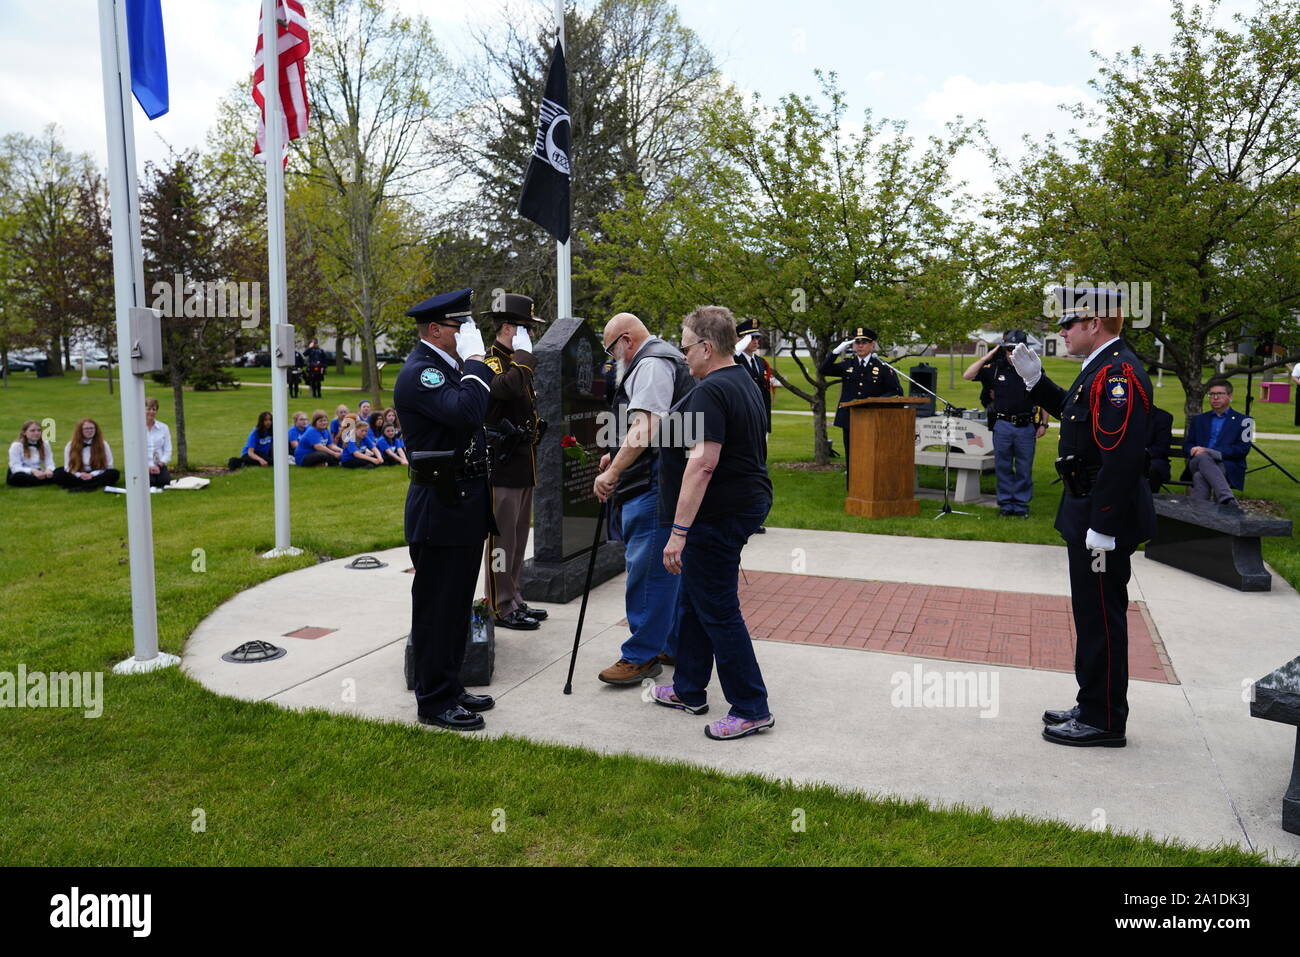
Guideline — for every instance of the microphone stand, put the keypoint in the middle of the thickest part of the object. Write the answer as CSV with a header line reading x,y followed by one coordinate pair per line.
x,y
950,412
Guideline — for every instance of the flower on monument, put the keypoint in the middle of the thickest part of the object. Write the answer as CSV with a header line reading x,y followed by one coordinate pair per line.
x,y
574,449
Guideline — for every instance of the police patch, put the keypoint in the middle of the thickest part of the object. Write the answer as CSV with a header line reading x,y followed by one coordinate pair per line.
x,y
432,378
494,364
1117,390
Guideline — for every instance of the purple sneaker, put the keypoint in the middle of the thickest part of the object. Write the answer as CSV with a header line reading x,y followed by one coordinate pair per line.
x,y
735,727
663,694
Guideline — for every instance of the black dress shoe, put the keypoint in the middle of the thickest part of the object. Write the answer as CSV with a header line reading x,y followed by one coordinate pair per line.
x,y
1060,717
517,620
1079,735
538,613
762,530
475,702
455,718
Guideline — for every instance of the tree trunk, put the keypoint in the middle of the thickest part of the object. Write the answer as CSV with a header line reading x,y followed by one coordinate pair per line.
x,y
67,355
821,447
339,365
178,406
55,357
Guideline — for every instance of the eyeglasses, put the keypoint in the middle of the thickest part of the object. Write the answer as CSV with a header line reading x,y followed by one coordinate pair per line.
x,y
1220,394
609,349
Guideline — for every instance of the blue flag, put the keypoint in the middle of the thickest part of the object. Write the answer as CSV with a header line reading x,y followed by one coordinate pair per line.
x,y
144,31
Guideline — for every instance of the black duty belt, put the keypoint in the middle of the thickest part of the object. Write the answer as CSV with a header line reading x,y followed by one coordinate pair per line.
x,y
1015,418
442,471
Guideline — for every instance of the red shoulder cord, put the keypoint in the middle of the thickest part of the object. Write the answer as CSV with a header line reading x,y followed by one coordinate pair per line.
x,y
1098,384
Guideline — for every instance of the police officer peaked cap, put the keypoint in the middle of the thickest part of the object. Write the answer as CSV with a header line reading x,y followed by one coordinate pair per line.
x,y
862,332
450,305
515,308
1013,336
1085,302
746,326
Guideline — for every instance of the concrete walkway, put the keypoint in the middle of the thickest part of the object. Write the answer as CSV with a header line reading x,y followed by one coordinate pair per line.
x,y
1197,766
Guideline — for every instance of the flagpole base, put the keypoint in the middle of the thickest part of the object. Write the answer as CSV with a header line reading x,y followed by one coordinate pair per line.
x,y
140,666
282,552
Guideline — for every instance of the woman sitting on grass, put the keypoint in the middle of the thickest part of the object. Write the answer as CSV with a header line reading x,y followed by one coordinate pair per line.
x,y
31,463
296,434
258,448
391,447
359,451
390,418
87,460
315,447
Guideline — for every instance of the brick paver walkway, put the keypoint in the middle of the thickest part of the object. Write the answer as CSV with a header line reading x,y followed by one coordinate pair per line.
x,y
934,621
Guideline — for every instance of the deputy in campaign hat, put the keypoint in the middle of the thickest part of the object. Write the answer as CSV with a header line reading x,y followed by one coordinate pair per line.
x,y
516,309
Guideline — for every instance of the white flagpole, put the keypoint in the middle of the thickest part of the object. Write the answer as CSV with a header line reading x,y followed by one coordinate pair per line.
x,y
274,147
128,291
563,263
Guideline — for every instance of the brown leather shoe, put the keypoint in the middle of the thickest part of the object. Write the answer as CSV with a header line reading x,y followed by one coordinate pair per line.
x,y
623,672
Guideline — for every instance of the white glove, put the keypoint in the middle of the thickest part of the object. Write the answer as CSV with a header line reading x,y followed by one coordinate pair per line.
x,y
743,342
843,345
521,342
469,341
1096,541
1030,367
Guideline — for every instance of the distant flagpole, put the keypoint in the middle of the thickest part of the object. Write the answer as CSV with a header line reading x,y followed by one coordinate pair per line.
x,y
128,292
563,262
278,297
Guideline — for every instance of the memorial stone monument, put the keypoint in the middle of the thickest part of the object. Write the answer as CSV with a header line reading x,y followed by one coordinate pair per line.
x,y
571,397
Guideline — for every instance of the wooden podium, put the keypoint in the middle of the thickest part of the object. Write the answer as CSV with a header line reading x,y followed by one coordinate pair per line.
x,y
882,456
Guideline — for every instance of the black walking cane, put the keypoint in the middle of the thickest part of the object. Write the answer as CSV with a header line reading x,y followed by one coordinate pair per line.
x,y
586,590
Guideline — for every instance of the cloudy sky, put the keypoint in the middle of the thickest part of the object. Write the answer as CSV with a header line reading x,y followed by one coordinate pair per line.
x,y
1009,62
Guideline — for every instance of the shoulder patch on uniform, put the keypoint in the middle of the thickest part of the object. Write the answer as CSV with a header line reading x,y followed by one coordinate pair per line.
x,y
1117,390
431,378
494,364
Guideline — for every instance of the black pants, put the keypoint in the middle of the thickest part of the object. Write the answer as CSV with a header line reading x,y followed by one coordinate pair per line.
x,y
294,382
27,480
1158,474
243,460
356,463
1100,603
845,432
318,458
442,597
69,481
161,479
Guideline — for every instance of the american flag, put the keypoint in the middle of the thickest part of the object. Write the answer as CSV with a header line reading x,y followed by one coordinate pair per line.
x,y
974,439
293,49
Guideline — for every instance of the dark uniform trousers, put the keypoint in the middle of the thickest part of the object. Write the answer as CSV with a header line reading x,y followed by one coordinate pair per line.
x,y
442,409
1104,426
862,380
512,398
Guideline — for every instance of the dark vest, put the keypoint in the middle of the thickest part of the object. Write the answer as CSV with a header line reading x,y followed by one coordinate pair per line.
x,y
637,478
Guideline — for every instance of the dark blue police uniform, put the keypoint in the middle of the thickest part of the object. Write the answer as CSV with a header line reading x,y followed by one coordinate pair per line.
x,y
1103,453
448,510
863,379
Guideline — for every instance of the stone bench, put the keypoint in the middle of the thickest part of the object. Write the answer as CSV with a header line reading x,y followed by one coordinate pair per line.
x,y
1276,697
968,467
1204,539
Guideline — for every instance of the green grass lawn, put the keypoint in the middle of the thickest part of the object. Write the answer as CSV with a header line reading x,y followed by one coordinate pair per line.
x,y
278,787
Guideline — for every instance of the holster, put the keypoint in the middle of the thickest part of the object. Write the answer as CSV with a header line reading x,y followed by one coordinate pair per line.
x,y
1074,475
436,470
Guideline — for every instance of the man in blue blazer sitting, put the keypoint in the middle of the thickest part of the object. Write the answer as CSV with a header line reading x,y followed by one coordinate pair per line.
x,y
1216,448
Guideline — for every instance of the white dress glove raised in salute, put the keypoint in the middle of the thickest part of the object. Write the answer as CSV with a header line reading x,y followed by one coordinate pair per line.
x,y
743,342
469,341
1096,541
842,346
521,342
1027,363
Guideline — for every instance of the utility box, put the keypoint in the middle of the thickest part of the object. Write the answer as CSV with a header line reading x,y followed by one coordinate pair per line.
x,y
282,346
146,341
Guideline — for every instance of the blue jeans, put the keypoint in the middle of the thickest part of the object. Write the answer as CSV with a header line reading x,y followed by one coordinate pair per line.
x,y
1014,462
709,624
651,588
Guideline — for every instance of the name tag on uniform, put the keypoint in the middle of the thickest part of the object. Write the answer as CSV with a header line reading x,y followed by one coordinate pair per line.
x,y
432,378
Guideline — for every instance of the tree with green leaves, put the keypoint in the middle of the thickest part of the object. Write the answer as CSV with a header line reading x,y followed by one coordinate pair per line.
x,y
1184,174
804,225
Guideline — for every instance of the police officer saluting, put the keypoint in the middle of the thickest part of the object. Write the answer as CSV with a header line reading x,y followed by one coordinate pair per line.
x,y
441,397
1017,425
513,408
864,375
1106,508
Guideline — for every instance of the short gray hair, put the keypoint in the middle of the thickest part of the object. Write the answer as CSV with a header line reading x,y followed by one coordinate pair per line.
x,y
714,324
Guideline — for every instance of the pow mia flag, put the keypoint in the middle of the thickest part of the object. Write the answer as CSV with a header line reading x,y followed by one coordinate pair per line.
x,y
545,197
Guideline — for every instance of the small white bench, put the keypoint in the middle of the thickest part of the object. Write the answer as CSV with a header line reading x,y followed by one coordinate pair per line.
x,y
968,467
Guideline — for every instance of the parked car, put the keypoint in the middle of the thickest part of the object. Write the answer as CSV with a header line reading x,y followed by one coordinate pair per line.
x,y
19,364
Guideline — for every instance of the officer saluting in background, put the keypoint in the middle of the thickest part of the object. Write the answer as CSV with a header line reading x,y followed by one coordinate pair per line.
x,y
864,375
747,346
513,400
1106,508
441,397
